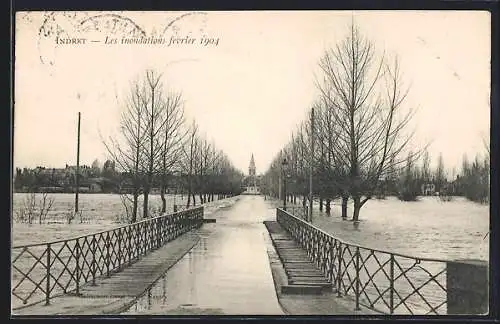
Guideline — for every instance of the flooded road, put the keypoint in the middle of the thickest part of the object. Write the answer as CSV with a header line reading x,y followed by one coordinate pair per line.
x,y
227,272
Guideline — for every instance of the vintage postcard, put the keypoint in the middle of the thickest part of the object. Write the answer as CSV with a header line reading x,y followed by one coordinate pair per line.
x,y
251,163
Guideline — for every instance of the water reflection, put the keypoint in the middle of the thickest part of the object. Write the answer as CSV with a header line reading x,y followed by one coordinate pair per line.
x,y
156,295
227,272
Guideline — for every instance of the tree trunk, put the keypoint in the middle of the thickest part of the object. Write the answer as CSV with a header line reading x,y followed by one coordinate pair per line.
x,y
328,208
320,203
188,203
145,204
163,200
357,207
304,202
345,199
194,199
134,208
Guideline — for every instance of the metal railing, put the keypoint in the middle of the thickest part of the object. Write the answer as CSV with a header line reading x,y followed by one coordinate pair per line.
x,y
46,270
386,282
298,211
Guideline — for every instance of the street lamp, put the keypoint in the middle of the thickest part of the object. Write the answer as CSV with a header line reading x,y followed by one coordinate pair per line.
x,y
284,165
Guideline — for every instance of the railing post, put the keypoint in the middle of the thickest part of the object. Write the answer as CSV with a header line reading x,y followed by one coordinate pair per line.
x,y
137,240
93,260
47,287
152,245
147,234
391,285
154,234
339,268
129,246
160,231
151,234
162,226
108,257
77,270
145,243
119,254
357,278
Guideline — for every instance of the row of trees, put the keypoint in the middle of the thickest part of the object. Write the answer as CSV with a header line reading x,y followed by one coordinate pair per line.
x,y
471,181
155,143
359,125
358,137
475,179
36,179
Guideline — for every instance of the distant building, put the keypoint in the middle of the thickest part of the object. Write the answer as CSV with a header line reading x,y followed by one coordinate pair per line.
x,y
428,189
251,180
251,168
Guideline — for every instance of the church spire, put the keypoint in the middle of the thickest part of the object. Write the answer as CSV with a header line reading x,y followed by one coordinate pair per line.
x,y
251,168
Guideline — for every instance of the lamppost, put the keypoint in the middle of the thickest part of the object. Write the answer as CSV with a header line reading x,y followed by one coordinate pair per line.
x,y
284,165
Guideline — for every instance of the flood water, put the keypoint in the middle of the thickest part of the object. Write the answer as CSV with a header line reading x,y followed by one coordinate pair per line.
x,y
426,228
227,272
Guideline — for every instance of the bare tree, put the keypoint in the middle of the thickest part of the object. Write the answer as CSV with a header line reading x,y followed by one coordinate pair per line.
x,y
202,166
189,159
173,137
215,156
45,204
332,166
25,213
364,96
486,146
127,148
31,208
426,170
440,176
155,105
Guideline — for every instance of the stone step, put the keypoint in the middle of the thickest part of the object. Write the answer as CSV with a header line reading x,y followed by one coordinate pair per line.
x,y
305,274
301,262
291,257
294,253
281,237
305,271
287,246
303,289
301,255
310,283
297,266
293,260
308,279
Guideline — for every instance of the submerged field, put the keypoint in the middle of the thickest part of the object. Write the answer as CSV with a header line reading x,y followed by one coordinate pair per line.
x,y
99,212
425,228
457,229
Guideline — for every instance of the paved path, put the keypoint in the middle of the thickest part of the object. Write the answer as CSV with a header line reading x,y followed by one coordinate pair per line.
x,y
227,272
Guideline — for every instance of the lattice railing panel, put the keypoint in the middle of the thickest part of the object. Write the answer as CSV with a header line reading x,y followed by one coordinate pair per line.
x,y
386,282
41,271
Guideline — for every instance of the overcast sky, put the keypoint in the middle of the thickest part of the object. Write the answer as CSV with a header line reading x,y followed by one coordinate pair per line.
x,y
253,88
